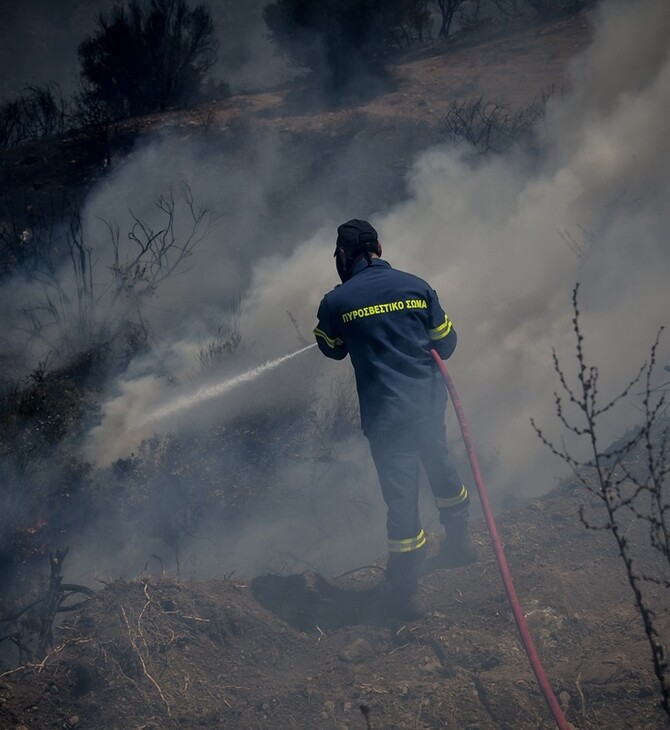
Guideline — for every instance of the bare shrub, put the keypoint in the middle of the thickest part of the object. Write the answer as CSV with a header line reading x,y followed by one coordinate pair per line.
x,y
629,482
93,119
30,627
39,112
470,17
225,342
448,10
406,23
47,110
488,126
89,310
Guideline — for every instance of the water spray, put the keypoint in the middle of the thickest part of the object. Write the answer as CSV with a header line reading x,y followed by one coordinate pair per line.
x,y
184,402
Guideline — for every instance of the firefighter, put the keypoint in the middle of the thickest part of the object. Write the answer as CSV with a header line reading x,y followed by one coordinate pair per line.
x,y
387,321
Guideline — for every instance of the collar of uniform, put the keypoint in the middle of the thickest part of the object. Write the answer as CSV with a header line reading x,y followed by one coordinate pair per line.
x,y
363,264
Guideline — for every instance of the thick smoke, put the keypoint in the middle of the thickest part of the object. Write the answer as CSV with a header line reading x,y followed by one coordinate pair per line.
x,y
503,241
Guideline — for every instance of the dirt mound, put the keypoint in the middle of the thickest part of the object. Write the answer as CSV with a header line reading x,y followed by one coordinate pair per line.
x,y
170,654
163,654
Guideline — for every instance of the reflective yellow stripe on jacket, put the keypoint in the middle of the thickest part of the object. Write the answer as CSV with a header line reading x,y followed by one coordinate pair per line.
x,y
332,343
439,333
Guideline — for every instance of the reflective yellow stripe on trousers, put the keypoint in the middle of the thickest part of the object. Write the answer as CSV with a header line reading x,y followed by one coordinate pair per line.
x,y
445,502
408,545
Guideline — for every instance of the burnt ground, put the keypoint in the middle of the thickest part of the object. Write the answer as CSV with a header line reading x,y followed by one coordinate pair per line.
x,y
308,651
304,651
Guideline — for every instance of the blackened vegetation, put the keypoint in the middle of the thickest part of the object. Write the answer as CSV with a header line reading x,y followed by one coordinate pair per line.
x,y
44,495
50,494
345,43
148,56
104,305
39,112
178,489
490,127
448,9
629,482
29,627
176,492
469,16
30,235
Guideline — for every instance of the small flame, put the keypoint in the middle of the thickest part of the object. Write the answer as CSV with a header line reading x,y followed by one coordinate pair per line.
x,y
37,526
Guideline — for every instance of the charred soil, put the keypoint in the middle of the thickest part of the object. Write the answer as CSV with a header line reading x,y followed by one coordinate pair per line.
x,y
306,651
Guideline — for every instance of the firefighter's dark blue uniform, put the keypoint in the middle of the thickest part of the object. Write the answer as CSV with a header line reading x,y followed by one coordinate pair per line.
x,y
387,321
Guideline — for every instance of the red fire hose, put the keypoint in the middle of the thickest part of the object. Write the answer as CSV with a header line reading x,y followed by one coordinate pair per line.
x,y
520,619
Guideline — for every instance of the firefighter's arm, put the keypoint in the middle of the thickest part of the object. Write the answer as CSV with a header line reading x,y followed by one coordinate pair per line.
x,y
327,336
441,332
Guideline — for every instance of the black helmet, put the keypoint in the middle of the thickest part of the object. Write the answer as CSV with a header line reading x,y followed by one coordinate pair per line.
x,y
354,237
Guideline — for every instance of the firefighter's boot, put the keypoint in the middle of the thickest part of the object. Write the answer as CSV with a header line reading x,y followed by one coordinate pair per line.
x,y
457,547
402,578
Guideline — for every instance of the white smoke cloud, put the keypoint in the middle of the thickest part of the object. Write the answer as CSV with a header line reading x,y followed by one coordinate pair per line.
x,y
503,241
494,241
